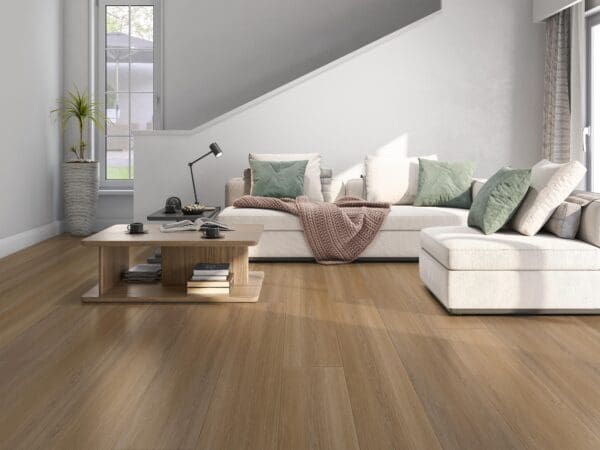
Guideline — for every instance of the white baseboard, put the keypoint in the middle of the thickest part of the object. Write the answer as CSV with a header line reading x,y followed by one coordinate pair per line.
x,y
16,242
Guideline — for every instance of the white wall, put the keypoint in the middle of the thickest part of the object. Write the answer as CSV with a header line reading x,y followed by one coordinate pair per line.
x,y
465,83
220,55
31,80
542,9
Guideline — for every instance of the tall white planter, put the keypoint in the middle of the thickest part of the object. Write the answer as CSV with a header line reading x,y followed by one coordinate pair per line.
x,y
81,196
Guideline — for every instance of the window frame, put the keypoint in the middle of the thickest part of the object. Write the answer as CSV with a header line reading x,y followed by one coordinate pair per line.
x,y
100,59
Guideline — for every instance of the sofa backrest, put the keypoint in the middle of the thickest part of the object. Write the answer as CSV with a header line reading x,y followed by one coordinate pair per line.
x,y
332,188
357,187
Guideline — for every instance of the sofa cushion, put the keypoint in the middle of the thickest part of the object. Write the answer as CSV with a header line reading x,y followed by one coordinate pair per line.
x,y
400,218
589,230
498,199
312,176
463,248
551,184
565,220
330,188
278,178
392,179
444,184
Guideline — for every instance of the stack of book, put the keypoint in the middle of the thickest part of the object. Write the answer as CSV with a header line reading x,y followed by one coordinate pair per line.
x,y
156,258
143,273
210,279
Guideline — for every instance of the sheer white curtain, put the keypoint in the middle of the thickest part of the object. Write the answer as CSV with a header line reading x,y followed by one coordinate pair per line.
x,y
564,85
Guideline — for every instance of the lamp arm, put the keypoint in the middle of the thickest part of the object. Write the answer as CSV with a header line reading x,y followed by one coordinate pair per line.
x,y
198,159
190,165
193,184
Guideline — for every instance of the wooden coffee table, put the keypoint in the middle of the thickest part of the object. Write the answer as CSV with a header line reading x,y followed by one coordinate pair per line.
x,y
180,252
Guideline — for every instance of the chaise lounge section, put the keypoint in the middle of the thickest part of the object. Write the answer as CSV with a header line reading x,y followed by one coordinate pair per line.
x,y
506,272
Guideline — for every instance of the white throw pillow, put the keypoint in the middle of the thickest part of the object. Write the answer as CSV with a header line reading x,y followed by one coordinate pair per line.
x,y
551,184
312,176
393,179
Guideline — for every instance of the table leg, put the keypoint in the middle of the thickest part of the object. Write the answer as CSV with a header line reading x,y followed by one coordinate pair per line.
x,y
113,261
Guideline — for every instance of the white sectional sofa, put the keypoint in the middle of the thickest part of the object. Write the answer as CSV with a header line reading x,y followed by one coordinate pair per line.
x,y
506,272
467,271
283,237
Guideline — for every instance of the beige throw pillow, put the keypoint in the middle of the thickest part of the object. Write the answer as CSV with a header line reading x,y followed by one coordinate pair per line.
x,y
393,179
312,176
551,184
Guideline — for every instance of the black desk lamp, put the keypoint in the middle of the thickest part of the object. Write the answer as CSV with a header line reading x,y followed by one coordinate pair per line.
x,y
215,150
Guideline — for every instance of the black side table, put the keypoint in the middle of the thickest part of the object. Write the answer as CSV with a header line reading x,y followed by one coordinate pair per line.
x,y
162,216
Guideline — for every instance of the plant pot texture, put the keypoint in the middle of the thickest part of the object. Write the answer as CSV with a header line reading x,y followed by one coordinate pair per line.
x,y
81,196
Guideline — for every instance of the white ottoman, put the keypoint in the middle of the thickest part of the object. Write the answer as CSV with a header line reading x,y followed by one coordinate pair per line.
x,y
471,273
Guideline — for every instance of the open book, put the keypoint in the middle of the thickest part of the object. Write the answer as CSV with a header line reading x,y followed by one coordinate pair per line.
x,y
197,225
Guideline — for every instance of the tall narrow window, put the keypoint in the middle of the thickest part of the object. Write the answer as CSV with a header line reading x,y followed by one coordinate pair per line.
x,y
128,82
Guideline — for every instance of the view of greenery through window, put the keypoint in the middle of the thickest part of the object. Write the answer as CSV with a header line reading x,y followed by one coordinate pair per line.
x,y
129,83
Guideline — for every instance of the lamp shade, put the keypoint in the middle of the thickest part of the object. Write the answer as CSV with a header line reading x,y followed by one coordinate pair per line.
x,y
216,150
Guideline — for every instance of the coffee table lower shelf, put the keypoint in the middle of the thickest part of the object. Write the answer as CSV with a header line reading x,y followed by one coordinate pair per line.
x,y
157,293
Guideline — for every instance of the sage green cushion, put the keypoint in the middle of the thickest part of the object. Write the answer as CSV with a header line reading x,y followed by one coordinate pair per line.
x,y
499,199
444,184
277,178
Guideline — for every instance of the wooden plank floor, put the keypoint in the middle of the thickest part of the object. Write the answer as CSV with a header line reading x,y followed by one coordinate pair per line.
x,y
332,357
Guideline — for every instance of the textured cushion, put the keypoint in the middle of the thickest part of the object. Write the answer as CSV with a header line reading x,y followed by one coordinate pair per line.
x,y
564,221
400,218
551,184
444,184
498,199
392,179
312,176
463,248
330,187
278,178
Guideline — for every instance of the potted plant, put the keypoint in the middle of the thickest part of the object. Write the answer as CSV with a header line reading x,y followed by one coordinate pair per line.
x,y
80,175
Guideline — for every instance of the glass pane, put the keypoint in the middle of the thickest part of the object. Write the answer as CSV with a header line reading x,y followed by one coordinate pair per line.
x,y
142,111
117,158
117,111
142,24
142,71
117,70
117,27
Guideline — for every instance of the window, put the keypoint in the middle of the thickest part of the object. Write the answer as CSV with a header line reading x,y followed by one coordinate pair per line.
x,y
128,82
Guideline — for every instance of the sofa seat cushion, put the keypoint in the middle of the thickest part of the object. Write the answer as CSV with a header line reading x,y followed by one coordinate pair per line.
x,y
415,218
272,220
464,248
400,218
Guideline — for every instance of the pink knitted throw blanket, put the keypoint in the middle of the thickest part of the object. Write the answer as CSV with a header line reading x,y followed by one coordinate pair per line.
x,y
336,232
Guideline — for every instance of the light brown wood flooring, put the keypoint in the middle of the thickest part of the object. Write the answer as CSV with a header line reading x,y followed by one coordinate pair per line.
x,y
332,357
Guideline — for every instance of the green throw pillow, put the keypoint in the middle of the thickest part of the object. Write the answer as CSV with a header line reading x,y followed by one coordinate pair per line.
x,y
444,184
499,199
278,178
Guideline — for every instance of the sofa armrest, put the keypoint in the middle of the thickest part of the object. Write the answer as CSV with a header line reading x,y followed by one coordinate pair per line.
x,y
356,188
234,189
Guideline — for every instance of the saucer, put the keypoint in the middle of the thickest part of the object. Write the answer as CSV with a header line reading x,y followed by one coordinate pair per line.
x,y
143,232
216,237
